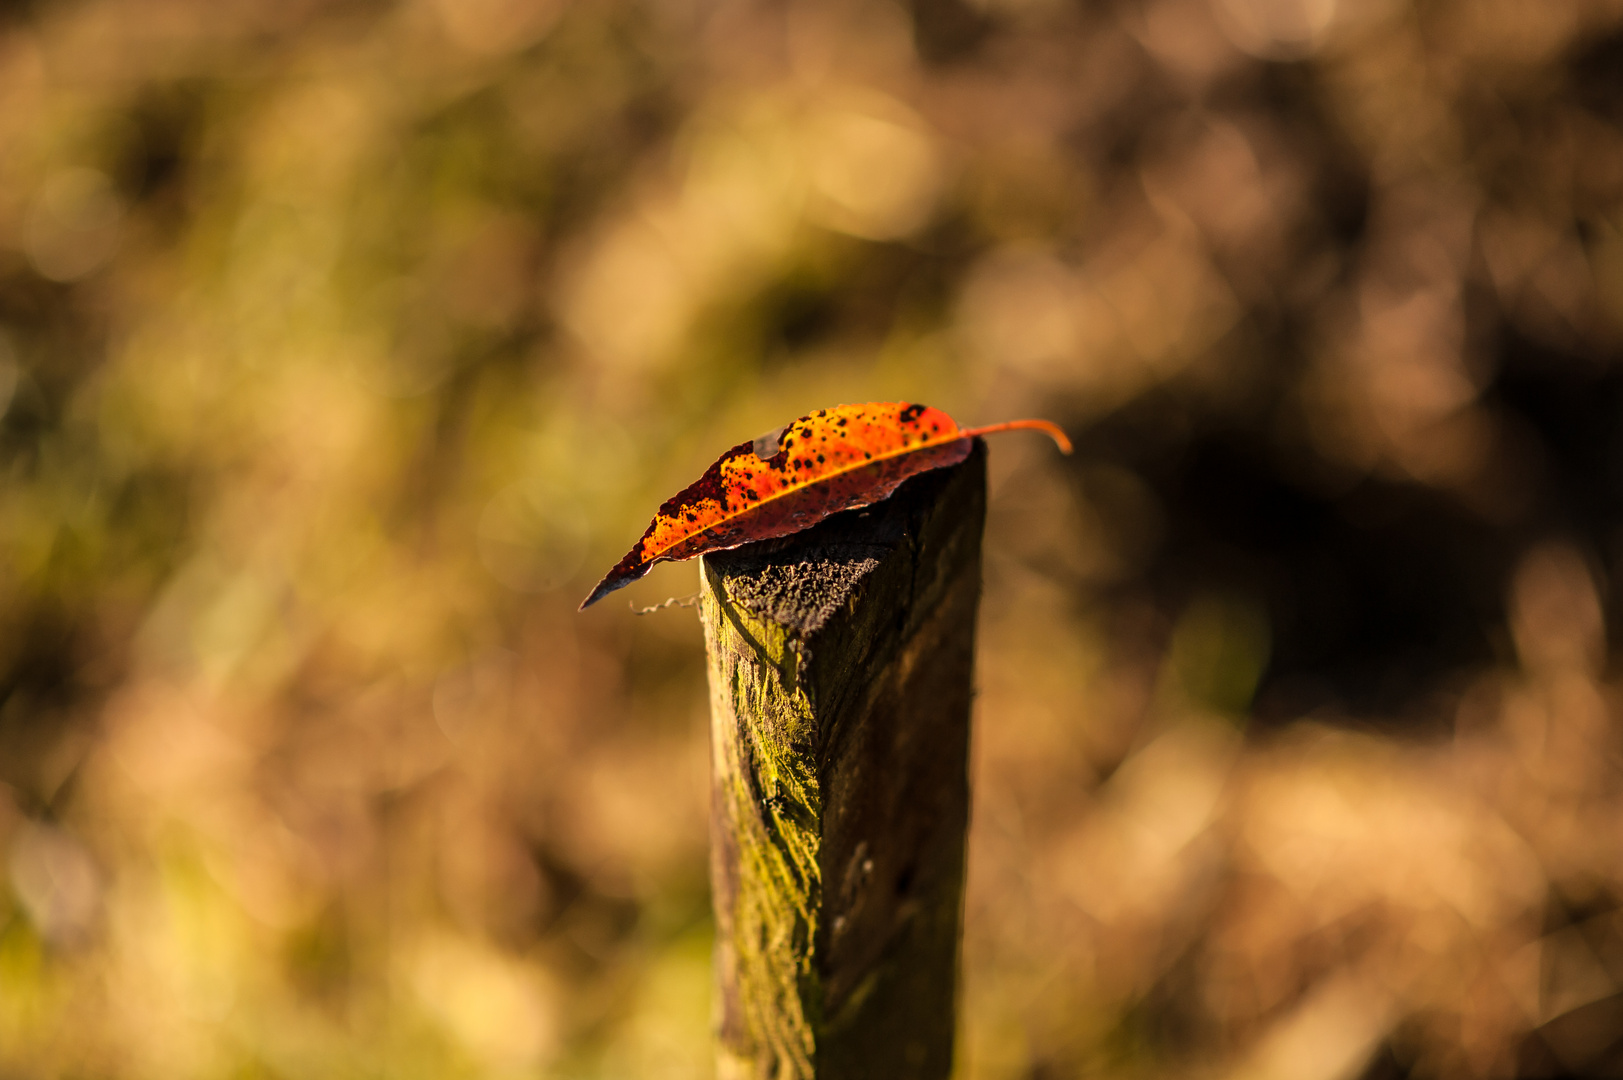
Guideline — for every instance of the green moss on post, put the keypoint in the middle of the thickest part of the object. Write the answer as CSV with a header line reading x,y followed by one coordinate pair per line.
x,y
841,662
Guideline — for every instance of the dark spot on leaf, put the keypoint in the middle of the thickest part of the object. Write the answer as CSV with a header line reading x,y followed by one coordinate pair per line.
x,y
910,414
708,486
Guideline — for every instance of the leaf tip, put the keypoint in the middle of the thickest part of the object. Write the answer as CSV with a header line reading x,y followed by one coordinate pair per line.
x,y
611,582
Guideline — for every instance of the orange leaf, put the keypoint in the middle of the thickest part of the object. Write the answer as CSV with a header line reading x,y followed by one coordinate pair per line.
x,y
790,479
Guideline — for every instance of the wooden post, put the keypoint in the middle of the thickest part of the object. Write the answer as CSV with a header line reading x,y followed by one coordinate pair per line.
x,y
841,665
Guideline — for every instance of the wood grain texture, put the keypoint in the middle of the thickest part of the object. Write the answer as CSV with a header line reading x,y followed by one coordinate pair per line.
x,y
841,665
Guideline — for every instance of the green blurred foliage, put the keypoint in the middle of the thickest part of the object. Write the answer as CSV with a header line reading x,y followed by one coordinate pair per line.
x,y
344,344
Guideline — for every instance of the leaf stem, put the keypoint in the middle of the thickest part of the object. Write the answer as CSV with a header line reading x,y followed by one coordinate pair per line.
x,y
1050,429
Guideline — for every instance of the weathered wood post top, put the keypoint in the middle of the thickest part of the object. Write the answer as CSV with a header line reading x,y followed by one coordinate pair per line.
x,y
841,666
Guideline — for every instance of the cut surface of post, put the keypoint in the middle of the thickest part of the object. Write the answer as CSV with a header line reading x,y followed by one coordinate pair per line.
x,y
841,667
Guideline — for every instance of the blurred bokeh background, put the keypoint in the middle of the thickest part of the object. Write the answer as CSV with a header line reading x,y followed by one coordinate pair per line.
x,y
345,343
